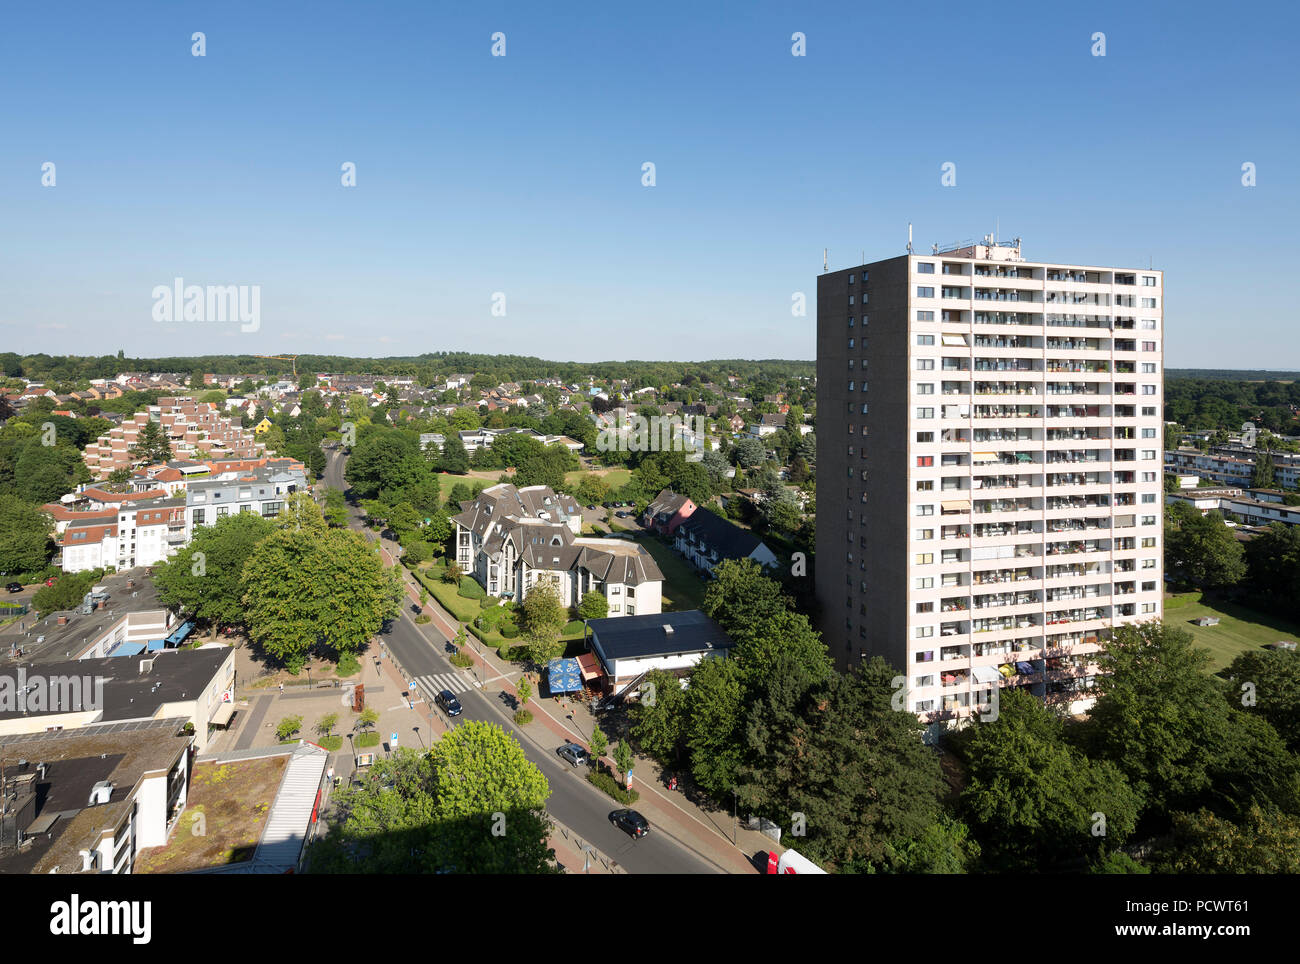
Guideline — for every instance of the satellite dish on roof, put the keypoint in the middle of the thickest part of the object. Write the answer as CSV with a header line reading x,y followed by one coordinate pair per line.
x,y
68,497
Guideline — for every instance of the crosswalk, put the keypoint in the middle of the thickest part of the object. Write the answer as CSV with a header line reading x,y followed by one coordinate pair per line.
x,y
430,686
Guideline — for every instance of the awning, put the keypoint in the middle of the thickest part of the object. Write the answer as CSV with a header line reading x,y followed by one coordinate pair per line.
x,y
563,676
1024,667
127,649
178,637
222,717
1024,457
984,456
1006,670
954,341
985,674
589,666
155,645
956,505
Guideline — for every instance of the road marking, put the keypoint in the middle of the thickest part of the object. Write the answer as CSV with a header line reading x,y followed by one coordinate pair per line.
x,y
437,682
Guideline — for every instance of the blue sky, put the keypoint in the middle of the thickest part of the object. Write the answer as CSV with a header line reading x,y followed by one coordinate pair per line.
x,y
522,174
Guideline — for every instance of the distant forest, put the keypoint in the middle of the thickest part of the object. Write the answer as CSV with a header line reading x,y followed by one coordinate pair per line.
x,y
493,368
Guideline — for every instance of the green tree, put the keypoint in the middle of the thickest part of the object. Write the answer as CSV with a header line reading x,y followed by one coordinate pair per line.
x,y
203,579
151,444
304,588
1033,798
740,593
623,758
1202,549
368,720
454,458
524,690
714,718
1262,475
25,545
542,617
594,605
1263,842
659,717
326,724
599,742
1267,683
287,727
336,509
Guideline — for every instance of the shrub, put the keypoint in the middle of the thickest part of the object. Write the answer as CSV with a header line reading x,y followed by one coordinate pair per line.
x,y
462,660
523,717
470,589
508,629
606,782
423,618
504,651
348,665
488,602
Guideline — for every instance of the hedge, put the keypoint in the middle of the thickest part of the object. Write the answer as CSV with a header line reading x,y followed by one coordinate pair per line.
x,y
606,782
470,589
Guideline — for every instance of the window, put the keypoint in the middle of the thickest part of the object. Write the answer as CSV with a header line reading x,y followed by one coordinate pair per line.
x,y
1148,433
1148,520
925,364
924,656
925,316
850,299
850,279
1148,389
1149,542
924,632
852,384
924,267
851,364
1148,302
1148,368
923,534
925,437
925,582
1148,346
1148,411
864,410
850,321
1148,498
1148,607
924,558
1148,454
922,292
850,342
1148,281
1147,324
925,461
925,413
925,388
925,485
925,510
1148,476
1148,563
925,339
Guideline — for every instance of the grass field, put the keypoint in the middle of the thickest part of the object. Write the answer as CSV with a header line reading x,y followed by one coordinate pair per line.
x,y
614,478
1240,629
683,587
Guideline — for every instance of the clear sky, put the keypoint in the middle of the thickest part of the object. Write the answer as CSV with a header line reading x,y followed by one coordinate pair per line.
x,y
522,174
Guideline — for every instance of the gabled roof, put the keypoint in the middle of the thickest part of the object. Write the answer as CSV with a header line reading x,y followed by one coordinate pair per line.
x,y
644,636
726,538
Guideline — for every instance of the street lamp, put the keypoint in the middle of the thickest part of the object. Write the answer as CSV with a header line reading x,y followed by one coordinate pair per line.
x,y
734,818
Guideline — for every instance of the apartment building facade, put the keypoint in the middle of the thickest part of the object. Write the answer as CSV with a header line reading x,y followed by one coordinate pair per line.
x,y
989,469
194,429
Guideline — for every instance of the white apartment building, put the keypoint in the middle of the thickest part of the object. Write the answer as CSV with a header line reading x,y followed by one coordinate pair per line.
x,y
989,450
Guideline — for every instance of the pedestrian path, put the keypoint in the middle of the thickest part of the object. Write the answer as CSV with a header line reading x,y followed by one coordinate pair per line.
x,y
432,685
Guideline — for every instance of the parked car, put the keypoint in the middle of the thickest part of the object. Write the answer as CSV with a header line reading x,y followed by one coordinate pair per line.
x,y
592,507
631,822
447,700
14,587
574,754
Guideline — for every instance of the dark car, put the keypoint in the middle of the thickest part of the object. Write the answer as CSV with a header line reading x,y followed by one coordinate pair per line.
x,y
630,821
447,700
608,505
591,507
14,587
573,753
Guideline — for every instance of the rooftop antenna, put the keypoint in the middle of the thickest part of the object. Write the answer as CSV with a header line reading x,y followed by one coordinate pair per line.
x,y
824,265
909,237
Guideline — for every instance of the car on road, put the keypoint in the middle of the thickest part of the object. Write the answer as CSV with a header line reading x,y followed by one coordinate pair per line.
x,y
447,700
14,587
631,822
574,754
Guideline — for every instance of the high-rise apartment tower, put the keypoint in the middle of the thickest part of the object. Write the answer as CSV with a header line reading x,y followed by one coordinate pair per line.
x,y
989,474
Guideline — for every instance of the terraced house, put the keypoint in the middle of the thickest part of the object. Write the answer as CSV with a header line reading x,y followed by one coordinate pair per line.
x,y
509,539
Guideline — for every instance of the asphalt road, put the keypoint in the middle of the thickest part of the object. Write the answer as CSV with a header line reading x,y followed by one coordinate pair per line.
x,y
573,801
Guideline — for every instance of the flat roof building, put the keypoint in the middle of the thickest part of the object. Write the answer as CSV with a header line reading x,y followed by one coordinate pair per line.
x,y
989,481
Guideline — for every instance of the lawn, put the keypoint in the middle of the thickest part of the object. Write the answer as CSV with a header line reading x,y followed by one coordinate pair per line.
x,y
614,478
683,587
225,813
1240,629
